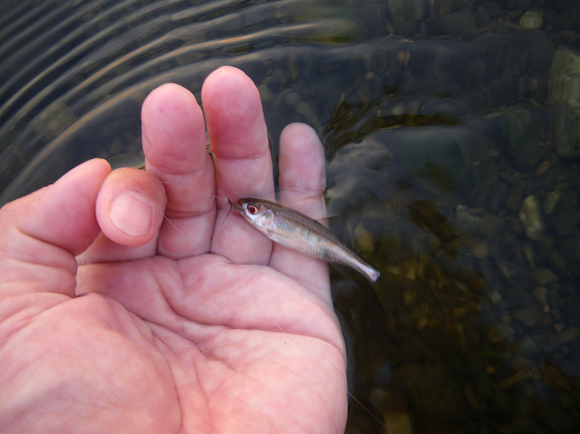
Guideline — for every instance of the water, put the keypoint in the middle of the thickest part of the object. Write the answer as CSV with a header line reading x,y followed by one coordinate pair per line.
x,y
451,137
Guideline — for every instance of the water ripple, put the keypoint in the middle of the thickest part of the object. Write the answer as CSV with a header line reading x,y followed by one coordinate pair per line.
x,y
64,62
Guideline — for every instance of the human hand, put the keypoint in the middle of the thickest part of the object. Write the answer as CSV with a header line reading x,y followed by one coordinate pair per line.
x,y
194,323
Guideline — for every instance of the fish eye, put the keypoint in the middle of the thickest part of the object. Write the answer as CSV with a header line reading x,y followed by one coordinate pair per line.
x,y
252,209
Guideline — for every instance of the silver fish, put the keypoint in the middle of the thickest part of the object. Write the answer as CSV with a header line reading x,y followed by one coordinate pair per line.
x,y
299,232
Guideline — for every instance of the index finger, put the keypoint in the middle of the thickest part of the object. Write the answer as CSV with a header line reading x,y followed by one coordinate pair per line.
x,y
174,143
239,144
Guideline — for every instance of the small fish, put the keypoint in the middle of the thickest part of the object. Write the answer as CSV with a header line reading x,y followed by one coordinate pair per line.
x,y
298,232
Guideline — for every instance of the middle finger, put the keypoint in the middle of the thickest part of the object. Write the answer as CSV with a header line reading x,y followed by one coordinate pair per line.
x,y
239,144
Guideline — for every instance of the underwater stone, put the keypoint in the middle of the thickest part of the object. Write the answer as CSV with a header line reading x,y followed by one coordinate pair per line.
x,y
397,421
531,218
545,276
531,20
528,316
543,168
358,173
465,219
405,15
519,131
551,201
567,130
570,334
473,400
564,78
363,239
541,296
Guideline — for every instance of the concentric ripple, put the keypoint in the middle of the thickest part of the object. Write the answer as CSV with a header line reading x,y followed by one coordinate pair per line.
x,y
73,74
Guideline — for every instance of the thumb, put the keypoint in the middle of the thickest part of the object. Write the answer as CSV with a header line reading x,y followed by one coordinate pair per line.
x,y
40,234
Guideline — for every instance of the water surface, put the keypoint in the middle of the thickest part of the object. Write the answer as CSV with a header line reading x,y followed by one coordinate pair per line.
x,y
451,134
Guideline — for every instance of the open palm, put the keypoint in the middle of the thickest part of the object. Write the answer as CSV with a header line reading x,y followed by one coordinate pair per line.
x,y
116,319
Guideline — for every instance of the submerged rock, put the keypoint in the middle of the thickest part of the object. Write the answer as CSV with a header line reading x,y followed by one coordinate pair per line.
x,y
531,218
564,89
357,173
531,20
551,201
566,135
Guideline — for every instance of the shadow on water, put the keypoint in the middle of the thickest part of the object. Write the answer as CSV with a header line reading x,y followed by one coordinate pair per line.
x,y
452,140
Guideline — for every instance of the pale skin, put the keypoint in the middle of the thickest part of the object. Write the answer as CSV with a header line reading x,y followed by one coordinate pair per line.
x,y
114,320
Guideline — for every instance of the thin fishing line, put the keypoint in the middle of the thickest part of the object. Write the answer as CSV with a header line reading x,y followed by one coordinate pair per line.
x,y
173,224
333,379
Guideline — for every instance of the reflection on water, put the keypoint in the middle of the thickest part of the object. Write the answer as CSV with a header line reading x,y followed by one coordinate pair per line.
x,y
451,130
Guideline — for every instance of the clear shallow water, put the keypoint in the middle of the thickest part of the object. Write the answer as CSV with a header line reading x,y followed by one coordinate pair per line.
x,y
451,137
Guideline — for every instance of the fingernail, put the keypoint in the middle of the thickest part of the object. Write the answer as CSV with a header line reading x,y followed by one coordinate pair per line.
x,y
80,169
131,213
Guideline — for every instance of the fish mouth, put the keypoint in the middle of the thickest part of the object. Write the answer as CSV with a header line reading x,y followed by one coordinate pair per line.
x,y
235,206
